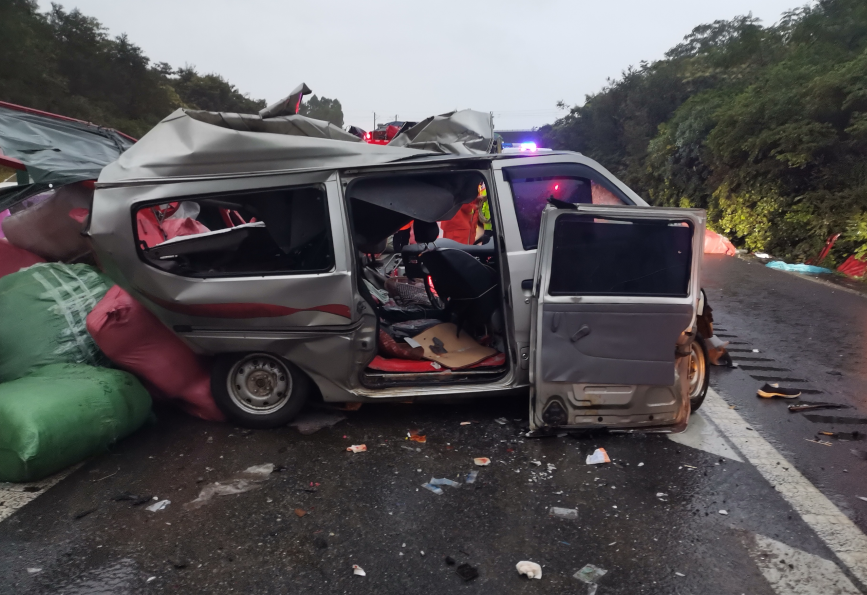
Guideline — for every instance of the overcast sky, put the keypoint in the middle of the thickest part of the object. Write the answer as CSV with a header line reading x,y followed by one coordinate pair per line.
x,y
412,59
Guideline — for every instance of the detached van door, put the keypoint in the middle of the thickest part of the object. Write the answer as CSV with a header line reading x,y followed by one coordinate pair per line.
x,y
614,303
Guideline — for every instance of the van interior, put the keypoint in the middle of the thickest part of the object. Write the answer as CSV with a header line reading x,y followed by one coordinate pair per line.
x,y
428,264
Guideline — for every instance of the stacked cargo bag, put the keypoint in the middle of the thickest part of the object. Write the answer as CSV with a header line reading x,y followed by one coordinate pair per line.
x,y
44,310
61,414
56,407
135,340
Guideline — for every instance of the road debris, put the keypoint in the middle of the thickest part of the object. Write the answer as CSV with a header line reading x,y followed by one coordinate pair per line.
x,y
358,570
563,513
641,464
723,512
83,513
810,406
33,570
590,574
300,512
249,479
357,448
466,423
449,561
833,419
434,481
598,457
436,490
158,506
530,569
416,437
467,572
861,498
662,496
822,442
310,422
501,420
482,461
680,574
471,476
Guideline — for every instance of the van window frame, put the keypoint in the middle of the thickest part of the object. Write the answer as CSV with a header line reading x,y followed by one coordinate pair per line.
x,y
321,186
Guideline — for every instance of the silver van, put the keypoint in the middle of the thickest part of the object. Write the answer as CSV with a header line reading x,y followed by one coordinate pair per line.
x,y
288,258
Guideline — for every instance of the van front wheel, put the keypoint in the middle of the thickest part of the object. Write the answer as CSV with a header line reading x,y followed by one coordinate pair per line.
x,y
258,390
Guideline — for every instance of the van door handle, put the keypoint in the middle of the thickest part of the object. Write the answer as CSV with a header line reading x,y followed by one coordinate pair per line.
x,y
581,333
527,284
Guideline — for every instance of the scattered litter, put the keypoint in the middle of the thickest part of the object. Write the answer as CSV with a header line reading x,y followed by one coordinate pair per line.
x,y
537,463
804,406
662,496
724,512
689,466
466,423
861,498
436,490
416,437
151,579
313,421
300,512
245,481
358,570
471,476
158,506
33,570
551,467
762,255
501,420
755,350
563,513
467,572
599,456
443,482
531,569
357,448
822,442
590,574
612,543
482,461
450,561
797,268
641,464
679,574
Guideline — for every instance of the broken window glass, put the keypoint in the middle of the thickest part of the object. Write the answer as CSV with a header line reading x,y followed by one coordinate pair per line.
x,y
533,185
268,232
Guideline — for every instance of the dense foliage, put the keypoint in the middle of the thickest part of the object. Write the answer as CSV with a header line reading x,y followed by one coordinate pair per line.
x,y
65,62
765,127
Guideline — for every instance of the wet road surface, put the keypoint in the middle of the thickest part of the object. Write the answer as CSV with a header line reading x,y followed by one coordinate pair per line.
x,y
652,518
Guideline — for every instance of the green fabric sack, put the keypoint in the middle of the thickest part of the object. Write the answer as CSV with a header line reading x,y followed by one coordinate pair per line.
x,y
63,413
43,314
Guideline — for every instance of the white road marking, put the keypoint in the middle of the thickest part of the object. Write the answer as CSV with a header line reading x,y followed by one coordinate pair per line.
x,y
15,495
840,534
791,571
703,435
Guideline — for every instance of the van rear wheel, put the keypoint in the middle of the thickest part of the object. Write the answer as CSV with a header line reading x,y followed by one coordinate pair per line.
x,y
699,378
258,390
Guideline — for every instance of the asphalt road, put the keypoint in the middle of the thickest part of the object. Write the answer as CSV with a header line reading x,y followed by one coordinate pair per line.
x,y
792,522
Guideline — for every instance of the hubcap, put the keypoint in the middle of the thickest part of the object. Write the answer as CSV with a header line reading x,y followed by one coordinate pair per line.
x,y
259,384
696,370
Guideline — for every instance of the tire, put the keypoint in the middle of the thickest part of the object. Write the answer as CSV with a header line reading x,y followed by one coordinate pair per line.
x,y
699,373
258,390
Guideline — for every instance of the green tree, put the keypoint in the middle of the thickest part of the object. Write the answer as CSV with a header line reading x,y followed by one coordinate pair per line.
x,y
323,108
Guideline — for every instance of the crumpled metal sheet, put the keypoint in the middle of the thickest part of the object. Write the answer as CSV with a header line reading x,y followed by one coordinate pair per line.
x,y
58,151
288,106
464,132
182,146
290,125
